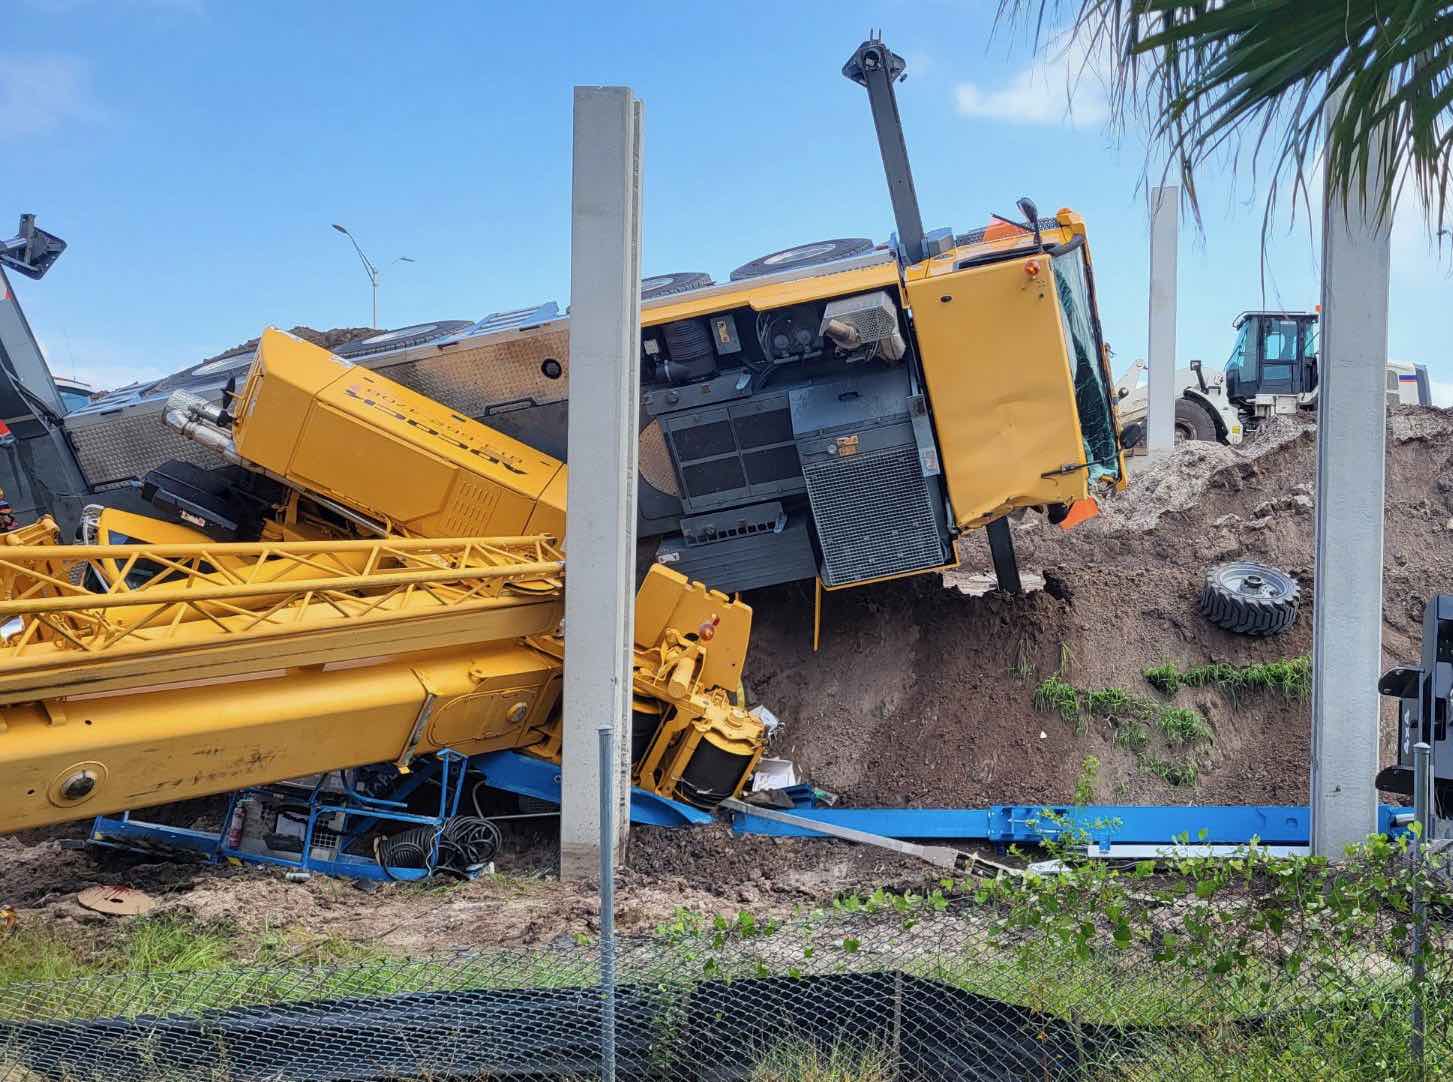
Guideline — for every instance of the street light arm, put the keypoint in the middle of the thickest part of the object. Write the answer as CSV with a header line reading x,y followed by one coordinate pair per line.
x,y
367,265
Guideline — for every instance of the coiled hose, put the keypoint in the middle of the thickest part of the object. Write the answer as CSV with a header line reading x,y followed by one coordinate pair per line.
x,y
463,843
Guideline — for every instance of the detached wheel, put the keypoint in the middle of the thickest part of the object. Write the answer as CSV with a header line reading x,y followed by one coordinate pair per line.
x,y
1250,598
1193,422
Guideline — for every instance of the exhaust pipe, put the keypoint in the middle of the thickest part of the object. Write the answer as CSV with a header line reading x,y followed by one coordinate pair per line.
x,y
201,422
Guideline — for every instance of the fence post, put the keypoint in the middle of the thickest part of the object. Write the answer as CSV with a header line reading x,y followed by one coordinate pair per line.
x,y
607,905
1422,814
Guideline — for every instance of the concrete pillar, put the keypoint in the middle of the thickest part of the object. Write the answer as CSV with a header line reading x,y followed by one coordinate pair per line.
x,y
1351,435
1161,357
605,393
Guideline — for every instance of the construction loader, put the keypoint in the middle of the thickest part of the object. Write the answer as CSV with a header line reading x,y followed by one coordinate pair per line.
x,y
1272,370
343,571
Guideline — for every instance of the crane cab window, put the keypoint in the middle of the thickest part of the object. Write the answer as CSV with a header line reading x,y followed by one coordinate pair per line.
x,y
1082,334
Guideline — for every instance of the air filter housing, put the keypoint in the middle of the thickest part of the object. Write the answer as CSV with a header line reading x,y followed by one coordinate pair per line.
x,y
864,320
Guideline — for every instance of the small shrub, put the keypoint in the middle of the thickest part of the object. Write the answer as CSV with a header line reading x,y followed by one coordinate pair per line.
x,y
1086,782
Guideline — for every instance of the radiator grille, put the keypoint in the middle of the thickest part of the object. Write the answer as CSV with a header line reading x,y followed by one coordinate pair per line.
x,y
874,516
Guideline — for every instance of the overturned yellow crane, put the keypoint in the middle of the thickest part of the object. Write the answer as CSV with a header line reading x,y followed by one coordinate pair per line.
x,y
405,598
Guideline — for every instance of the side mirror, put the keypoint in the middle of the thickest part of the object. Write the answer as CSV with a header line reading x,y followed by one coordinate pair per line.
x,y
1028,209
1401,683
32,250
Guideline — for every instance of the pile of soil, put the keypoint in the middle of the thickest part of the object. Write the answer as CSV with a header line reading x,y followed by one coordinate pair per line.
x,y
922,696
329,339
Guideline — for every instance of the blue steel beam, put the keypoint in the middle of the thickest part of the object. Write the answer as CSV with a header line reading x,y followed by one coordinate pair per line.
x,y
1004,824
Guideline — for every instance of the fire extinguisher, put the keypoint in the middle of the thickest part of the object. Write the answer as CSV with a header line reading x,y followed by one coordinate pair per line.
x,y
239,820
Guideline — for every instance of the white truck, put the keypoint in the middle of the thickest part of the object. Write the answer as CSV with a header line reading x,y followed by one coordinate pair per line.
x,y
1272,369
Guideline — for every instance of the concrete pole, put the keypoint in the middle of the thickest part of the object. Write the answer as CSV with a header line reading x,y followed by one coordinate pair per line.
x,y
1161,356
605,394
1351,435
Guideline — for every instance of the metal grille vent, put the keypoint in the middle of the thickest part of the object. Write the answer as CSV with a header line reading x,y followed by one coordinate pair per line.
x,y
874,516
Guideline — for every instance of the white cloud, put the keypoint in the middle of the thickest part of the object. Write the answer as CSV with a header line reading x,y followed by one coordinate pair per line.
x,y
1064,85
1442,392
41,92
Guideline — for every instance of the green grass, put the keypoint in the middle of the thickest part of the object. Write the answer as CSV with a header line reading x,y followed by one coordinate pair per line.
x,y
1290,677
802,1060
165,965
1131,735
1181,725
1179,773
1164,678
1057,696
1131,719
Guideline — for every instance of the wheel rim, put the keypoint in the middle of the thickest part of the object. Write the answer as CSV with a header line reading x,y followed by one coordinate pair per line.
x,y
1250,581
1184,434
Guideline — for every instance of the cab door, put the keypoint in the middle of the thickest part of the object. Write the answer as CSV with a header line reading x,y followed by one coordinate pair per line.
x,y
1279,352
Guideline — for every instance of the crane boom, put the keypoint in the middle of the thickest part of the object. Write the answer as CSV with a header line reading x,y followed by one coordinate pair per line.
x,y
141,673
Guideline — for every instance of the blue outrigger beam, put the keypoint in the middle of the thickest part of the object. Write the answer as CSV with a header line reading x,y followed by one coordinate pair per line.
x,y
1103,824
526,775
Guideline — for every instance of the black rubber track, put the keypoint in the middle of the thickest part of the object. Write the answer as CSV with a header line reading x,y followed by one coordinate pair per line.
x,y
1249,614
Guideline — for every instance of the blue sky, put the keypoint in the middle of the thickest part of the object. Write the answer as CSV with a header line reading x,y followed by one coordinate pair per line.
x,y
194,154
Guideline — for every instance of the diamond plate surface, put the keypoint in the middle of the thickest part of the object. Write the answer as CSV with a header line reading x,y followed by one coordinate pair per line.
x,y
470,378
132,444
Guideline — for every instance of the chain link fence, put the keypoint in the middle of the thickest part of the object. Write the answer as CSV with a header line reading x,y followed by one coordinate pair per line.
x,y
1252,968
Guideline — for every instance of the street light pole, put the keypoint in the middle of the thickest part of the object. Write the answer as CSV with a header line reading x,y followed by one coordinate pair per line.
x,y
368,266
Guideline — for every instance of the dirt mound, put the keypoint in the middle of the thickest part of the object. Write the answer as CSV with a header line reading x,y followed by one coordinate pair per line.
x,y
922,696
327,339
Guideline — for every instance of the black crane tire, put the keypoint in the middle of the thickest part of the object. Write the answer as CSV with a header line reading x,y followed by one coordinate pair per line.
x,y
803,255
1250,598
664,285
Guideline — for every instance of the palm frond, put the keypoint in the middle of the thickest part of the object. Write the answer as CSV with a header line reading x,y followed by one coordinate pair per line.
x,y
1275,84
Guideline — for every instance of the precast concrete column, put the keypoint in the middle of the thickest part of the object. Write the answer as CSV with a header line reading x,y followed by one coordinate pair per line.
x,y
1161,356
1351,440
605,394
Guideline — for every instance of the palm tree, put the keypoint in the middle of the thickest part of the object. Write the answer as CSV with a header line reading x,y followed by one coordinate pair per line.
x,y
1254,79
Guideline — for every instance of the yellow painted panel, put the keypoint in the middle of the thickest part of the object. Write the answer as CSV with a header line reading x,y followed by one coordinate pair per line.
x,y
995,361
383,449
